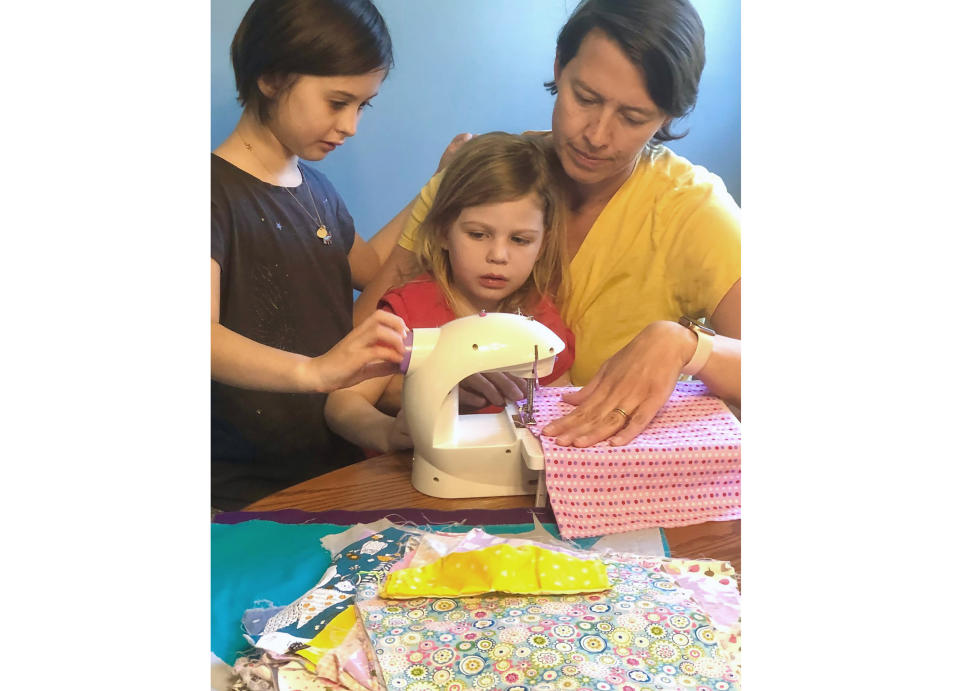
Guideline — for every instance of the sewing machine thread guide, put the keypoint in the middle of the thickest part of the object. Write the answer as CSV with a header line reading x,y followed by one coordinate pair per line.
x,y
524,416
536,375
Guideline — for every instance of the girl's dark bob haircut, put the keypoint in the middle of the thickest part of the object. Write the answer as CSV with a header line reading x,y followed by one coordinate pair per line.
x,y
280,39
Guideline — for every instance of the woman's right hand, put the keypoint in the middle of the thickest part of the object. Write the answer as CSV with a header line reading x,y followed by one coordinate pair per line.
x,y
373,349
451,149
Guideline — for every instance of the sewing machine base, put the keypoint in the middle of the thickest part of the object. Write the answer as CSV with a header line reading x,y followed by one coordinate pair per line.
x,y
512,479
502,461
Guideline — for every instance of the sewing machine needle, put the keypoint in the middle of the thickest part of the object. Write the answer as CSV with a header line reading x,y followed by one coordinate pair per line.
x,y
528,404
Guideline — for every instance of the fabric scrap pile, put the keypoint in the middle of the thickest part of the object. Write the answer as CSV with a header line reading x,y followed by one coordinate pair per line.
x,y
402,607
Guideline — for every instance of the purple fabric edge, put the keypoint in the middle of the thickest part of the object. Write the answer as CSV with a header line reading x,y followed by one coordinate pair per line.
x,y
418,516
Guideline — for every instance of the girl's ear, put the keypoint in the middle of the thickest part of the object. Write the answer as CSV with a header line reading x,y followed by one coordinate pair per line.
x,y
273,85
269,85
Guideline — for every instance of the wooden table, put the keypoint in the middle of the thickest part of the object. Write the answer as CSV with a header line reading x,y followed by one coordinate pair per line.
x,y
383,482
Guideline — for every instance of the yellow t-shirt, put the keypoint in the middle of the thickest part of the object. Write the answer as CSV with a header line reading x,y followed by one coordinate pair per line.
x,y
667,244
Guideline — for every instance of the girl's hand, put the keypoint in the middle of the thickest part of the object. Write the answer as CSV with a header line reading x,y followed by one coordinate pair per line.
x,y
638,380
399,436
491,388
373,349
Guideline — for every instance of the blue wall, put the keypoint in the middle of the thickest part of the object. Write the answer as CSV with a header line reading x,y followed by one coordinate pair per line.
x,y
476,66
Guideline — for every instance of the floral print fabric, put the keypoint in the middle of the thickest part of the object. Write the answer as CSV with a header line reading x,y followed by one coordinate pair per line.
x,y
714,586
644,633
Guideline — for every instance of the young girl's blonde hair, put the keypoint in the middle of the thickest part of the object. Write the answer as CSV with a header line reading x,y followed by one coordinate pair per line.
x,y
492,168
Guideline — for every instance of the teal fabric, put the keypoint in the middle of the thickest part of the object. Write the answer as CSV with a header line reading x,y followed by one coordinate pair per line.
x,y
260,560
255,563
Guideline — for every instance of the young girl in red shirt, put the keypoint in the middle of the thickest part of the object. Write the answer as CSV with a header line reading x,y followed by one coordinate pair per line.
x,y
493,240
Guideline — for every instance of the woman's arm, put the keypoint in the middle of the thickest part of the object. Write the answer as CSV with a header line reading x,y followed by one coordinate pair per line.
x,y
640,377
351,414
721,374
372,349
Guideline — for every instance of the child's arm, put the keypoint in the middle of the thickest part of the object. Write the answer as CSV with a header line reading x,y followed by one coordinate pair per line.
x,y
352,414
372,349
400,263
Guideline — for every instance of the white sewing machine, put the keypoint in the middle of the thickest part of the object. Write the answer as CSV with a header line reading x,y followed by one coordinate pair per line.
x,y
479,455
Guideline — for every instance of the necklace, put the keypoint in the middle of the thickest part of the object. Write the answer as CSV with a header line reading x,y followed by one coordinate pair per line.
x,y
322,231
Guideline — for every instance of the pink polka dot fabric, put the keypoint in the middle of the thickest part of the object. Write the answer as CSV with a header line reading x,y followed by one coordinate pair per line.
x,y
683,469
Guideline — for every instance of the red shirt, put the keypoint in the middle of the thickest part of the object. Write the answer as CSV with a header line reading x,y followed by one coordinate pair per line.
x,y
421,305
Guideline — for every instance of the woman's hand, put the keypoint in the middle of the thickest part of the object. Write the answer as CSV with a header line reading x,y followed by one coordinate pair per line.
x,y
637,380
373,349
451,149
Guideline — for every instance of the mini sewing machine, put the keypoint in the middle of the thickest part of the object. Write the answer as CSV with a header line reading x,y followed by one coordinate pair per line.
x,y
479,455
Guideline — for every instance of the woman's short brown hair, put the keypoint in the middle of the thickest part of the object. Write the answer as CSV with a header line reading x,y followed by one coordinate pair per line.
x,y
664,39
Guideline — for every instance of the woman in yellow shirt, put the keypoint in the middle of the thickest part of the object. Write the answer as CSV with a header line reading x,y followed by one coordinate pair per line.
x,y
651,237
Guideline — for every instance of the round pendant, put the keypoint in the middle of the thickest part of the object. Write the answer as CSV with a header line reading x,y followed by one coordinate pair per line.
x,y
322,232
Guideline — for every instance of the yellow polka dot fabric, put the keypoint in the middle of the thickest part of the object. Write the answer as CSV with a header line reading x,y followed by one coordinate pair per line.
x,y
526,569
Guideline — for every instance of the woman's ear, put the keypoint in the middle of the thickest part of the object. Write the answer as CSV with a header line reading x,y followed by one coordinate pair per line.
x,y
556,68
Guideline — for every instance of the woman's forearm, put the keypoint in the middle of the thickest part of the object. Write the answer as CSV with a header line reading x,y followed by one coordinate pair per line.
x,y
721,373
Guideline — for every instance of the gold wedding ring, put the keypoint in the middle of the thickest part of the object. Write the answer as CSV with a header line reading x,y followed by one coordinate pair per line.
x,y
626,418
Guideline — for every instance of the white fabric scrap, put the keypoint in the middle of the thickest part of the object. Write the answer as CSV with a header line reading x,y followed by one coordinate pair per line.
x,y
279,643
338,541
